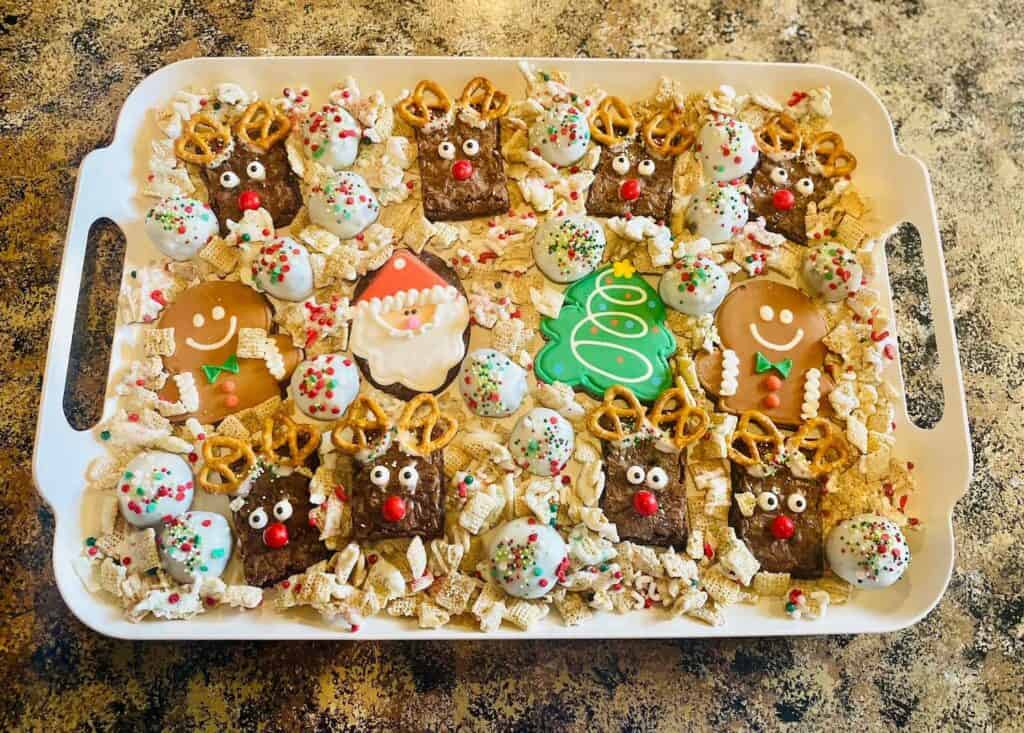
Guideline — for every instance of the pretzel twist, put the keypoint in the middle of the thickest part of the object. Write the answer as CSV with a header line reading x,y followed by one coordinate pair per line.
x,y
690,422
767,434
280,430
365,415
613,122
827,442
417,109
262,126
413,419
666,133
831,155
614,411
780,136
220,464
202,139
481,95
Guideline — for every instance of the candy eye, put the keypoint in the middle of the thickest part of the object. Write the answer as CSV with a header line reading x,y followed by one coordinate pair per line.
x,y
786,316
471,147
283,510
646,167
229,179
779,176
796,503
805,186
258,519
446,150
198,320
621,164
255,170
767,313
218,313
657,478
408,477
768,501
379,476
635,475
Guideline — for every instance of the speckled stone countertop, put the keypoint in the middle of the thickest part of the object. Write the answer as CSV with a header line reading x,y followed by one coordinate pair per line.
x,y
950,73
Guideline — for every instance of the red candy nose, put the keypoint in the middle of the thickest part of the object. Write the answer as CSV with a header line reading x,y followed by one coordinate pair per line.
x,y
461,170
783,527
393,509
645,503
783,199
629,190
249,200
275,536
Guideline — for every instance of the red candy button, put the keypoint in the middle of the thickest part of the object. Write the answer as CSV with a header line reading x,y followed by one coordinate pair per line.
x,y
275,536
783,199
393,509
462,170
645,503
629,190
771,401
772,383
783,527
249,200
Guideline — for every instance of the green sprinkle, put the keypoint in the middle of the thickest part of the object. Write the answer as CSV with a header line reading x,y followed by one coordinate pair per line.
x,y
217,553
538,571
105,435
469,480
90,541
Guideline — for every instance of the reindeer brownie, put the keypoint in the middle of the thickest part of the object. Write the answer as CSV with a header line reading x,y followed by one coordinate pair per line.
x,y
634,175
244,166
398,474
461,168
645,486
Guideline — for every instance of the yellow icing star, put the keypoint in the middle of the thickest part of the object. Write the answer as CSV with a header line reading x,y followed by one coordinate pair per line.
x,y
623,268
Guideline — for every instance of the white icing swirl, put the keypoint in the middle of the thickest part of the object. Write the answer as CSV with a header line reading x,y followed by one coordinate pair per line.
x,y
730,373
812,394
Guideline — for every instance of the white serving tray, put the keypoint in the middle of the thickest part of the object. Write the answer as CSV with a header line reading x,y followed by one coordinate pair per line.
x,y
899,188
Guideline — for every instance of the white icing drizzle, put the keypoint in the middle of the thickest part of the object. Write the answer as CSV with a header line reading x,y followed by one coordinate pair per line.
x,y
812,394
187,392
730,373
273,359
797,338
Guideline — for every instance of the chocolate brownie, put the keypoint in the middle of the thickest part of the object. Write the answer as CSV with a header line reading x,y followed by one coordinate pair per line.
x,y
789,222
465,186
667,525
802,554
264,564
278,191
655,190
419,496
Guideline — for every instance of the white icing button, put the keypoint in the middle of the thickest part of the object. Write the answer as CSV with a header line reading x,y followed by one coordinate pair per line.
x,y
180,226
727,149
717,212
867,551
694,285
525,557
560,135
344,205
568,248
331,137
195,544
542,442
832,271
492,384
154,485
323,387
283,268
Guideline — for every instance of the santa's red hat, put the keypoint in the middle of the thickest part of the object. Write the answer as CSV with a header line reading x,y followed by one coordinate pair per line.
x,y
405,280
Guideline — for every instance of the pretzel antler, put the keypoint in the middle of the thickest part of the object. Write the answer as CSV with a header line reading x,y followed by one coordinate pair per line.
x,y
262,125
827,442
766,434
280,430
220,464
202,139
613,122
481,95
427,98
666,133
614,412
780,137
415,418
676,406
829,152
365,415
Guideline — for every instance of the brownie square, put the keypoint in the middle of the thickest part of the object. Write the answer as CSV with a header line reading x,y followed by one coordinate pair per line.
x,y
266,565
655,198
279,191
668,525
802,555
790,223
484,193
423,501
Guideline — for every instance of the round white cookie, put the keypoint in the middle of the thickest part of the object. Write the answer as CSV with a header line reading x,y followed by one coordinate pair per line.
x,y
717,212
195,544
343,205
727,149
180,226
283,269
694,285
331,137
568,248
542,442
154,485
832,271
323,387
867,551
492,384
561,135
525,557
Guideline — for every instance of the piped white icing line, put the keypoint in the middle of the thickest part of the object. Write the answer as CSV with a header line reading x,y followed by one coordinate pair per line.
x,y
273,359
730,373
187,391
812,394
431,296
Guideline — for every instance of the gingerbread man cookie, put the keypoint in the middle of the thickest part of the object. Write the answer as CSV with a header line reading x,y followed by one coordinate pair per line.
x,y
206,320
772,356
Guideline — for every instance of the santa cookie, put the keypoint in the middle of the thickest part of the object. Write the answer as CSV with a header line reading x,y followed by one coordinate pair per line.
x,y
206,320
772,356
410,325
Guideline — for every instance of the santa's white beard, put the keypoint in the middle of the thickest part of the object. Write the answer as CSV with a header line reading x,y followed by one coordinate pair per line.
x,y
421,361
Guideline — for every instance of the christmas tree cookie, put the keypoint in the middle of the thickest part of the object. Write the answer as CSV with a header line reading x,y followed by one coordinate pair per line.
x,y
611,330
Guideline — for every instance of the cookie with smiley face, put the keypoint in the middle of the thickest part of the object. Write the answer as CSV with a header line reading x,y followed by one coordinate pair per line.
x,y
461,168
772,356
206,320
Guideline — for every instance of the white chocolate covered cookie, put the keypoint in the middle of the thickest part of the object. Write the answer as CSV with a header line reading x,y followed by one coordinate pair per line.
x,y
694,285
717,212
154,485
343,204
323,387
560,135
867,551
568,248
492,384
282,268
331,137
195,544
727,149
832,271
542,442
526,558
180,226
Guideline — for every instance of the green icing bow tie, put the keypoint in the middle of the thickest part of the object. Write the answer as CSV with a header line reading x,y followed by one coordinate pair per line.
x,y
764,364
212,371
